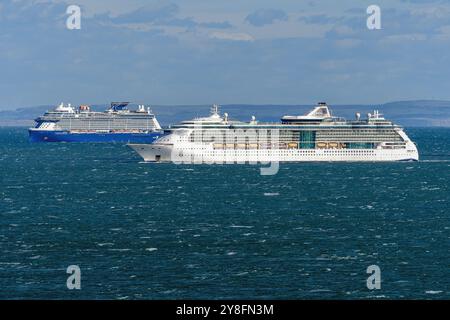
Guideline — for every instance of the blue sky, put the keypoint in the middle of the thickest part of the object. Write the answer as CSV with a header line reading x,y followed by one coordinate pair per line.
x,y
205,51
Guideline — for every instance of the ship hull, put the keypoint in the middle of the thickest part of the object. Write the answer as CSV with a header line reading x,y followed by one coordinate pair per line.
x,y
66,136
167,153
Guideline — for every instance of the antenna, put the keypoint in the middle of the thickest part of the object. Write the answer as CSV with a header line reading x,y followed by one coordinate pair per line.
x,y
214,109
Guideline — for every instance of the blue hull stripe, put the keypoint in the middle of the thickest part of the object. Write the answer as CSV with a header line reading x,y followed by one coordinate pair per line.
x,y
65,136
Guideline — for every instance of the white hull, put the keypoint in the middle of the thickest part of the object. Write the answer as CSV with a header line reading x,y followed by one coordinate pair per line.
x,y
206,154
314,137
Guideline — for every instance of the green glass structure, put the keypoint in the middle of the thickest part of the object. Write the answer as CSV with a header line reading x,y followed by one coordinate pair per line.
x,y
307,139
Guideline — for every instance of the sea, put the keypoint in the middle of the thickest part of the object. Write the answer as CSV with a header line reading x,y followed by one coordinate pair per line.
x,y
164,231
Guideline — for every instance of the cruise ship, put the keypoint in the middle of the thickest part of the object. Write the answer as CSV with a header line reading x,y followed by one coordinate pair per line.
x,y
117,124
316,136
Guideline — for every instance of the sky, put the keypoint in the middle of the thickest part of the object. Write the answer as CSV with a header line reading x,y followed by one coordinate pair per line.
x,y
226,52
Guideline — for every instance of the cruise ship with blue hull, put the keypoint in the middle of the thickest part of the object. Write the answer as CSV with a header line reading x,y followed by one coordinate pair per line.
x,y
117,124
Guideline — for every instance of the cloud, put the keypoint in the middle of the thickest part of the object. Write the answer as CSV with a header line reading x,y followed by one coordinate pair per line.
x,y
163,16
266,16
435,12
231,36
152,13
340,31
347,43
320,19
398,38
423,1
196,49
216,25
443,33
29,12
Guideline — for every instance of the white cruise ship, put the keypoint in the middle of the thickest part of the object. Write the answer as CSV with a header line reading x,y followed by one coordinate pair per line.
x,y
316,136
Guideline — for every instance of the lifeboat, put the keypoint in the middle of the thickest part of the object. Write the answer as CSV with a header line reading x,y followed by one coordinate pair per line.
x,y
332,145
85,107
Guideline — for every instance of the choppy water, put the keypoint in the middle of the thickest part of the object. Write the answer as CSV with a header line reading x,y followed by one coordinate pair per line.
x,y
167,231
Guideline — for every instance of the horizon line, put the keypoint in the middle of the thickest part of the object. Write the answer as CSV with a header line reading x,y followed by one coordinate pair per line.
x,y
241,104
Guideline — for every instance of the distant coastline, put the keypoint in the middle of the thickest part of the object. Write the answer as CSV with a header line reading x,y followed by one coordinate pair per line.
x,y
417,113
16,123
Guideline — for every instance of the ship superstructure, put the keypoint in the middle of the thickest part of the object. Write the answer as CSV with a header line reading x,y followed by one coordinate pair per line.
x,y
116,124
316,136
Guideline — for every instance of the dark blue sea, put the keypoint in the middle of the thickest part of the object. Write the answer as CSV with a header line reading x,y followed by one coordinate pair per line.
x,y
166,231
